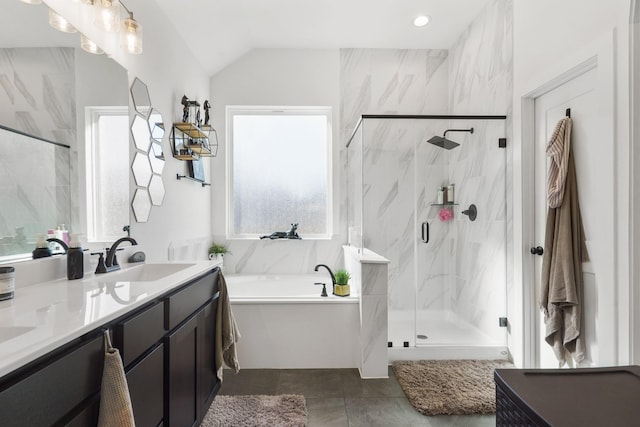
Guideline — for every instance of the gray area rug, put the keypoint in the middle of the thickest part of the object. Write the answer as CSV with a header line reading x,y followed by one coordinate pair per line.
x,y
286,410
450,387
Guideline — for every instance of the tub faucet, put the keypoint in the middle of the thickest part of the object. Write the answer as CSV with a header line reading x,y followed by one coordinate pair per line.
x,y
111,263
333,278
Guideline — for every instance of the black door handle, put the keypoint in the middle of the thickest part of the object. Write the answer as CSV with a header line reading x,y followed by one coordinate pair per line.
x,y
537,250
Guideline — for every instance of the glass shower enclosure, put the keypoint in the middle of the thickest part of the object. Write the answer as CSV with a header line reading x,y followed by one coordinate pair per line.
x,y
429,194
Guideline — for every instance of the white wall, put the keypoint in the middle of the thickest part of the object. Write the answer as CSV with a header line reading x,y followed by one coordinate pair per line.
x,y
170,71
549,38
308,77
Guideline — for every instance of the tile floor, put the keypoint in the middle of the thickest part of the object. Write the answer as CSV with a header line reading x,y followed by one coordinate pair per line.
x,y
338,397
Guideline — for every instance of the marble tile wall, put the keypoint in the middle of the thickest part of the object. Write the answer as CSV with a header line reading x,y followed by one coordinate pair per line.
x,y
481,82
37,92
389,81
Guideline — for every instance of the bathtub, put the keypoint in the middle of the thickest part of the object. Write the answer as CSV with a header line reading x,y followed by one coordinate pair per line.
x,y
285,324
282,288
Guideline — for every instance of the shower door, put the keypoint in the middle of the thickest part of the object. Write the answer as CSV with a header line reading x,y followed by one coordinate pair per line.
x,y
447,274
461,270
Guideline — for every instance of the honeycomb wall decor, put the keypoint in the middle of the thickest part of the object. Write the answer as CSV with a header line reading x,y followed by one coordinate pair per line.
x,y
147,132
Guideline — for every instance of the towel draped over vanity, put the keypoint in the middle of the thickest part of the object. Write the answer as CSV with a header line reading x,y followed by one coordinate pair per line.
x,y
227,333
561,297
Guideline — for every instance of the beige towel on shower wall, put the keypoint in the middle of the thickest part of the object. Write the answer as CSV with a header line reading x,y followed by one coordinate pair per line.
x,y
115,402
227,333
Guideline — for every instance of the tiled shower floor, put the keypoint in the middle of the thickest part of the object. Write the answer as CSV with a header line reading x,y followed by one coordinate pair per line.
x,y
339,397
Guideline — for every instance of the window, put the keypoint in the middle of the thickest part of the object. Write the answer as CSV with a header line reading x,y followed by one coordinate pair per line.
x,y
279,170
107,172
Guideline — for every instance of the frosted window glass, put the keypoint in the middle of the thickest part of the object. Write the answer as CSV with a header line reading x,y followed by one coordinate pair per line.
x,y
280,173
111,176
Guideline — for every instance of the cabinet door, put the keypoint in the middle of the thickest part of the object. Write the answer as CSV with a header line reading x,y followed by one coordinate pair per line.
x,y
46,395
206,358
182,364
146,388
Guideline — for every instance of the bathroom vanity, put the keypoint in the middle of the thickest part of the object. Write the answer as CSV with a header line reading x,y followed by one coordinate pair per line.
x,y
161,319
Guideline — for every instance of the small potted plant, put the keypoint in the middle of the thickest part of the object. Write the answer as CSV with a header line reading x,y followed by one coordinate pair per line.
x,y
343,289
216,252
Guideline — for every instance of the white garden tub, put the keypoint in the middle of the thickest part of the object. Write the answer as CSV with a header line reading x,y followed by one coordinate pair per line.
x,y
286,324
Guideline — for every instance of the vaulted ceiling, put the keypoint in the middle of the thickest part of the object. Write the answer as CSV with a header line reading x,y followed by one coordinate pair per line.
x,y
221,31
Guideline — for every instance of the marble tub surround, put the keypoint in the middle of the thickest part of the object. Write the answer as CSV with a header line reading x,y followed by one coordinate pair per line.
x,y
369,274
43,316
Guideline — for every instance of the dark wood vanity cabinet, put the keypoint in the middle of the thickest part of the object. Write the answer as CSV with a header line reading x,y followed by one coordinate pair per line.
x,y
52,390
190,353
167,348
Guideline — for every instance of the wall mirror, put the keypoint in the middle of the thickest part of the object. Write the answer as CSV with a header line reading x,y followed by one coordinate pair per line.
x,y
46,93
34,183
148,162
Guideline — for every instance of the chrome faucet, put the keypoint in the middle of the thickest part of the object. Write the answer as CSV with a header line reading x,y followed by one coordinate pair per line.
x,y
111,262
333,278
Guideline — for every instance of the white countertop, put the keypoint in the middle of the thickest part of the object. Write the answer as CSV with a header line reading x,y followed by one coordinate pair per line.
x,y
44,316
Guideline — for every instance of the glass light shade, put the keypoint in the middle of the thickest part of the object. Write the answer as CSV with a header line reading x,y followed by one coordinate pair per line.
x,y
31,1
107,15
131,36
89,46
60,23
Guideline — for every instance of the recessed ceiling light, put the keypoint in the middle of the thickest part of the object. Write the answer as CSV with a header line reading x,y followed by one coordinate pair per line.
x,y
421,21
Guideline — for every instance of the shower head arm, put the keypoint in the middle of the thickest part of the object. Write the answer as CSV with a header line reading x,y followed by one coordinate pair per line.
x,y
470,130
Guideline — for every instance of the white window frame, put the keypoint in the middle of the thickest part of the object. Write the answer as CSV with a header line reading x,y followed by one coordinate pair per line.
x,y
236,110
92,115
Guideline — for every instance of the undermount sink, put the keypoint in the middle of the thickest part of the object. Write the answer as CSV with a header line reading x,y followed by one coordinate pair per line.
x,y
142,273
9,332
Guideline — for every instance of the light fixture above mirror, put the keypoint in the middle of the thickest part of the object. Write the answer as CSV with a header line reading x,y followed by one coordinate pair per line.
x,y
105,16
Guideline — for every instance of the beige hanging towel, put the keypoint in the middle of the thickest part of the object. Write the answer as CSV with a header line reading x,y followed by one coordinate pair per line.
x,y
561,296
558,149
227,333
115,402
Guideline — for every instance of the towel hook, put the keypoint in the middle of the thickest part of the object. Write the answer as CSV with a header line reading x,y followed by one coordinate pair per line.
x,y
568,112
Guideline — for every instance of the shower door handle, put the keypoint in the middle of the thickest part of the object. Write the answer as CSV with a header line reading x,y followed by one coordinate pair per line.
x,y
425,232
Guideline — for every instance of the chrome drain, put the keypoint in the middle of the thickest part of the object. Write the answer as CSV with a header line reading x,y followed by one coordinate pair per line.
x,y
422,336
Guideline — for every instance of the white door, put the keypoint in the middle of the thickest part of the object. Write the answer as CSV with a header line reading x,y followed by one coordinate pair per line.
x,y
593,155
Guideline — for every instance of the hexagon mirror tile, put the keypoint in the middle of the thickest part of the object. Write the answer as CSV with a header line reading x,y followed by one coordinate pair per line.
x,y
156,190
140,97
157,164
141,169
141,205
156,125
141,133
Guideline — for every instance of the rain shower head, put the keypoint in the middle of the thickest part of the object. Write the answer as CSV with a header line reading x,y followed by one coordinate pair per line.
x,y
443,142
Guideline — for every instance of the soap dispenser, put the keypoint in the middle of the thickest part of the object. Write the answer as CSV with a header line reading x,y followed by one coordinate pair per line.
x,y
75,259
42,248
